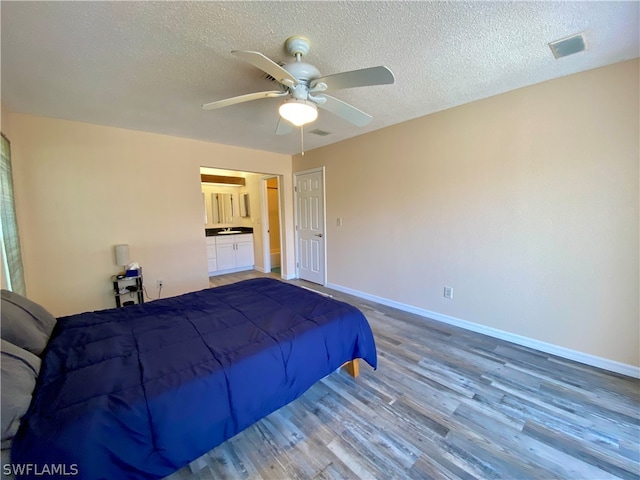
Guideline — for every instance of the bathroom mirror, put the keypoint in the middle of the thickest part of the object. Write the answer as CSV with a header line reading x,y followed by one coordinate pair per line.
x,y
244,205
222,208
215,209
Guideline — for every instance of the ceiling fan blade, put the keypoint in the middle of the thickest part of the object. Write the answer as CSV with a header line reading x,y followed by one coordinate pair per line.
x,y
350,113
243,98
283,127
356,78
267,65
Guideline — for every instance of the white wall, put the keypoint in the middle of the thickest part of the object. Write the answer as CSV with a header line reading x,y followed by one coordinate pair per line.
x,y
81,189
525,203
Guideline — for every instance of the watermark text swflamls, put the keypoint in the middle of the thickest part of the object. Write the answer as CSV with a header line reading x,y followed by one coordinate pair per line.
x,y
44,470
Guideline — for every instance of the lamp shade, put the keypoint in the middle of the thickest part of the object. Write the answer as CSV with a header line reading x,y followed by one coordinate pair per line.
x,y
122,254
298,112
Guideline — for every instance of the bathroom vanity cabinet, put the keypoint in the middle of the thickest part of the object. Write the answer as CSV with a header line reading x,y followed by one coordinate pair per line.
x,y
230,253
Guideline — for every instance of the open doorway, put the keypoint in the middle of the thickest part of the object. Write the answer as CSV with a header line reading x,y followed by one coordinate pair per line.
x,y
271,226
241,203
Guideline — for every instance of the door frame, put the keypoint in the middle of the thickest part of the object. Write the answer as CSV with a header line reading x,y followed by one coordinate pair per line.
x,y
324,218
266,241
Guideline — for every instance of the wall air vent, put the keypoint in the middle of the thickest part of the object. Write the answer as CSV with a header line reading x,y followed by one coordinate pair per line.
x,y
568,46
319,132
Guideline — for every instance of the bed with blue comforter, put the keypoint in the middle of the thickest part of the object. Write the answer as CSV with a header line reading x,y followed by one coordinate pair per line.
x,y
140,391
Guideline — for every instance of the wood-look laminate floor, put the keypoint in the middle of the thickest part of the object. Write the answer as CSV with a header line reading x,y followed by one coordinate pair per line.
x,y
445,403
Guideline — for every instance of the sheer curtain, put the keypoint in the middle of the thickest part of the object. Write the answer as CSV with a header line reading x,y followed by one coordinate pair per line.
x,y
11,256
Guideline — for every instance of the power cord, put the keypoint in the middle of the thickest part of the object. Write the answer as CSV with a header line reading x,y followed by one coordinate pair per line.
x,y
144,288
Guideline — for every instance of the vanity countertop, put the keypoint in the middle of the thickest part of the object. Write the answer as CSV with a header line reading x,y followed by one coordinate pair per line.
x,y
215,232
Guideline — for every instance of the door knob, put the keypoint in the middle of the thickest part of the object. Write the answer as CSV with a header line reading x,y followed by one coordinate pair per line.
x,y
318,235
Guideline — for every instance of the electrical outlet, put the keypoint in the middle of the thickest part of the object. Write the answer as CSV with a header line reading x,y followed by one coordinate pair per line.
x,y
160,283
448,292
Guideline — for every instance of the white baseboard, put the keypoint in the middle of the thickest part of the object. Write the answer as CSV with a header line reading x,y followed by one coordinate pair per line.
x,y
230,270
588,359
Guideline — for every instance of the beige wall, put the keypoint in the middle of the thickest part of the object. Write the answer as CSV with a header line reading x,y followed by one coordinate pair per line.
x,y
80,189
5,124
525,203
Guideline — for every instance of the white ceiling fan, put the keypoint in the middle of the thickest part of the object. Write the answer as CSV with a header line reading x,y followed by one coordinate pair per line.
x,y
303,87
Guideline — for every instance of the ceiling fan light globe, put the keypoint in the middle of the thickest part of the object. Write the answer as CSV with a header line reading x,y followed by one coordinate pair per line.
x,y
298,112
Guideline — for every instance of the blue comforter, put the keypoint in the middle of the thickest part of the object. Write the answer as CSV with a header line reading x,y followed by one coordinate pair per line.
x,y
139,392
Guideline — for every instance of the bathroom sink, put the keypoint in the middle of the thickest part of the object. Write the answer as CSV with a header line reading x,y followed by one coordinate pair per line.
x,y
226,232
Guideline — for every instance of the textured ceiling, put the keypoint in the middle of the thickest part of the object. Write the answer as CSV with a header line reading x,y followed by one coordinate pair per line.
x,y
150,65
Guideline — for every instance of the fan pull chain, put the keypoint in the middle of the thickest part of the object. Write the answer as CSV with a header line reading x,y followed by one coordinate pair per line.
x,y
302,140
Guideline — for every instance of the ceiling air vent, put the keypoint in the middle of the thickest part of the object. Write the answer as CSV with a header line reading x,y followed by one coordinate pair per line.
x,y
269,77
568,46
319,132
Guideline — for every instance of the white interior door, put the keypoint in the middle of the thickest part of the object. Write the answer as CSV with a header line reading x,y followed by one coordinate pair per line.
x,y
310,226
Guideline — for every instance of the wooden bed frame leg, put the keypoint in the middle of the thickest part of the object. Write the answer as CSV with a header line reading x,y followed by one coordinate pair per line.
x,y
352,367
